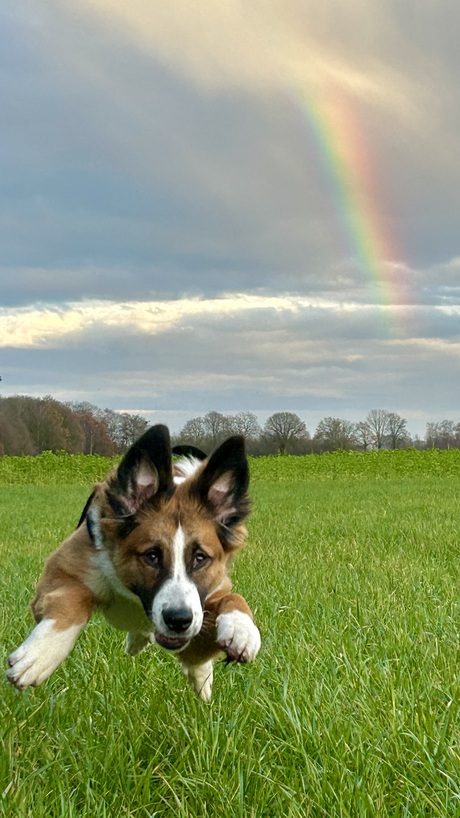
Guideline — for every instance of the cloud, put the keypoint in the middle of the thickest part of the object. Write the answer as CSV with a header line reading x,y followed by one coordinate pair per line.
x,y
231,205
239,350
367,50
51,326
174,151
47,325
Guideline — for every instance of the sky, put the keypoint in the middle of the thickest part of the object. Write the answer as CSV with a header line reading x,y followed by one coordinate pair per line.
x,y
232,206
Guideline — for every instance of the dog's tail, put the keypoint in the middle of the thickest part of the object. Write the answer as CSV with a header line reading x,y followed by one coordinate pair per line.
x,y
187,450
190,459
84,513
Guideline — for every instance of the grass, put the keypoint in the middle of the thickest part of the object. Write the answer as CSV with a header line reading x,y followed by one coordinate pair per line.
x,y
351,709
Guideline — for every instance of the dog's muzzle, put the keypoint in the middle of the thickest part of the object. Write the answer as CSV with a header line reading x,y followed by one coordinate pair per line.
x,y
176,634
177,620
177,614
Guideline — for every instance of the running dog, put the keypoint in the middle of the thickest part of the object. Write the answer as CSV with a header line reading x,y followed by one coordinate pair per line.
x,y
152,551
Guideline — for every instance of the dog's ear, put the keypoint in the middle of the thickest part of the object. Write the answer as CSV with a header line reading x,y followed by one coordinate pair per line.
x,y
146,470
222,485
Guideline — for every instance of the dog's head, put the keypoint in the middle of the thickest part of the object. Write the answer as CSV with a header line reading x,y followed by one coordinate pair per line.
x,y
169,541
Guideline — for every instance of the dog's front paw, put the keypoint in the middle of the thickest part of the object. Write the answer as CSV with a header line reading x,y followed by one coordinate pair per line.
x,y
40,654
238,636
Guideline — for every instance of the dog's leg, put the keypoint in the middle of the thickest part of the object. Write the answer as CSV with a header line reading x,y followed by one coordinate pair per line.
x,y
61,615
200,678
236,634
137,641
228,626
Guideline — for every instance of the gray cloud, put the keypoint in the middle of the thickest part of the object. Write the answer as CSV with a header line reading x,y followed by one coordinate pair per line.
x,y
264,359
118,159
160,152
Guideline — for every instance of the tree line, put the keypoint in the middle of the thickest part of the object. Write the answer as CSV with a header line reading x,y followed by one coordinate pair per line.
x,y
286,433
30,425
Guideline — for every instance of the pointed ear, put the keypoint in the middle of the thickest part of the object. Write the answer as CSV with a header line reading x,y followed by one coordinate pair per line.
x,y
222,485
146,470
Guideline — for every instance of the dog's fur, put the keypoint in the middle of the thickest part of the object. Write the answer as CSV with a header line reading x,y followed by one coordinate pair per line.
x,y
152,551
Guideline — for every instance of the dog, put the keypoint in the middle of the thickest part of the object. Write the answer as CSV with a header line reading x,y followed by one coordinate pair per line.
x,y
152,551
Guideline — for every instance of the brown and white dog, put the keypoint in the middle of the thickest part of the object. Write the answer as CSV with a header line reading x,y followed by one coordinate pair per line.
x,y
152,552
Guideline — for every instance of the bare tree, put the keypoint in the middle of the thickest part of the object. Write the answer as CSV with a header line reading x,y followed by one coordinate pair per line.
x,y
217,427
285,429
444,434
397,433
131,427
246,423
193,432
363,434
377,421
334,433
87,407
121,427
431,436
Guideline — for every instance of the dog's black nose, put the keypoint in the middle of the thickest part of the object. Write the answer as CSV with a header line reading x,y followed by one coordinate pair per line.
x,y
177,619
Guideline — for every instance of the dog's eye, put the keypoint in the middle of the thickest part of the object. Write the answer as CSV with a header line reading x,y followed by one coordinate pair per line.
x,y
199,559
152,557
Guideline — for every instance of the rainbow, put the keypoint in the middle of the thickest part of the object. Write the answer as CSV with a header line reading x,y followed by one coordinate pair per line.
x,y
349,171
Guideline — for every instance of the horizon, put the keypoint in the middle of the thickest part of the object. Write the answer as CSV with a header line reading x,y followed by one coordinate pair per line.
x,y
176,419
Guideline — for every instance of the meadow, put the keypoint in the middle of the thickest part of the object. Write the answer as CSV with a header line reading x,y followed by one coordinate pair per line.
x,y
352,707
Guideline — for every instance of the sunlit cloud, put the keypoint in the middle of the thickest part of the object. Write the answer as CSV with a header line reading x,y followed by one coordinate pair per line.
x,y
45,326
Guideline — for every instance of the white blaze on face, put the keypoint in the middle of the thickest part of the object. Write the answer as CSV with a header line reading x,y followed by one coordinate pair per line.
x,y
178,592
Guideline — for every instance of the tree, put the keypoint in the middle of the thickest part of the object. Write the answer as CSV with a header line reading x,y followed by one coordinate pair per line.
x,y
443,435
334,433
397,433
286,429
14,434
363,434
69,422
107,431
96,438
31,425
131,427
246,423
193,432
113,423
377,422
43,420
217,427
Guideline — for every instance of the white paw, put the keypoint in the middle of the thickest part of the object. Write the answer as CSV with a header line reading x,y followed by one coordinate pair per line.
x,y
200,679
136,642
40,654
238,636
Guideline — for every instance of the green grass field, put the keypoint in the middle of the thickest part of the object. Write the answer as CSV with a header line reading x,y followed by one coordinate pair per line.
x,y
352,707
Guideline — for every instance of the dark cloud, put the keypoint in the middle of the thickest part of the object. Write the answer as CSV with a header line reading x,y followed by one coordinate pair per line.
x,y
149,157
